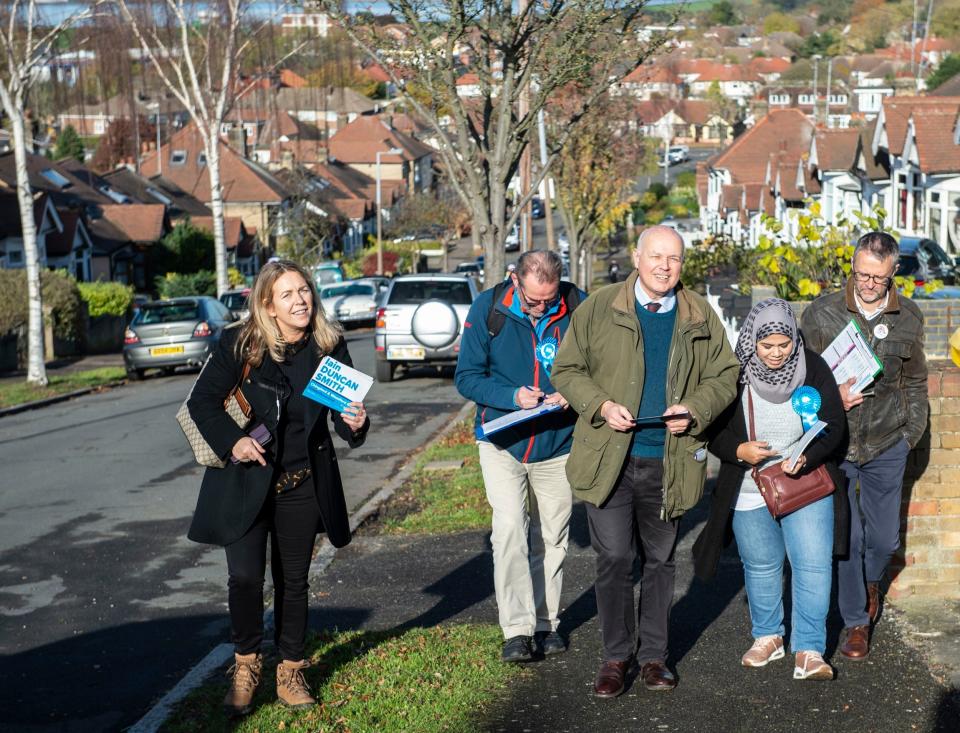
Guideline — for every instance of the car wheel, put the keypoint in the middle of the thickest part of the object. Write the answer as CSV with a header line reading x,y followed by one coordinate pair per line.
x,y
135,375
385,371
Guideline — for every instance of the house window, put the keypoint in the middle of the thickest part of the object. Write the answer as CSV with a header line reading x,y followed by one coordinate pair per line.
x,y
953,223
780,99
202,159
56,178
14,257
935,221
98,127
806,99
178,157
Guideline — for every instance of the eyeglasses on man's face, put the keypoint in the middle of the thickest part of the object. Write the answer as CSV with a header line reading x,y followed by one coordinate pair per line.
x,y
534,302
863,278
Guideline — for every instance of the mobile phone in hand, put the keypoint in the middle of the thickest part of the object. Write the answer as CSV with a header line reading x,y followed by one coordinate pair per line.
x,y
685,415
259,434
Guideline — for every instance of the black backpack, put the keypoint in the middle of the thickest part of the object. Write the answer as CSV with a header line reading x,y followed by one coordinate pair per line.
x,y
495,319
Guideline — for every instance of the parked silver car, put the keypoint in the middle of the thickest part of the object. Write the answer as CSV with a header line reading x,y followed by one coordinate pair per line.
x,y
353,301
421,320
171,333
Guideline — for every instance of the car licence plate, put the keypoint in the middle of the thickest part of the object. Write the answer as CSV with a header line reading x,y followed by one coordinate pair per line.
x,y
406,352
166,350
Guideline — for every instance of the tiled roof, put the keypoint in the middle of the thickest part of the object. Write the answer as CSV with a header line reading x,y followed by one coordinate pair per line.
x,y
897,112
139,188
651,74
342,100
233,229
468,79
763,65
707,70
142,223
949,88
731,196
836,149
785,131
754,195
937,150
871,166
242,180
359,142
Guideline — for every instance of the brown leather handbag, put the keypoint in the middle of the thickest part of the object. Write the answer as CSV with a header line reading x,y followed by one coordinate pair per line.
x,y
784,494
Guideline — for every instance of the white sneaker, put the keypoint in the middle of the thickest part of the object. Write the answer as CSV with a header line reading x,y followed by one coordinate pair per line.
x,y
811,666
765,649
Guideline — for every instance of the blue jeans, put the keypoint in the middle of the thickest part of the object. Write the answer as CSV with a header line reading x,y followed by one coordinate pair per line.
x,y
806,538
874,528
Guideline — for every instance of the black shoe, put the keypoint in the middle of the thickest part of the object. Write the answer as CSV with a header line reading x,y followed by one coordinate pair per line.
x,y
551,643
517,649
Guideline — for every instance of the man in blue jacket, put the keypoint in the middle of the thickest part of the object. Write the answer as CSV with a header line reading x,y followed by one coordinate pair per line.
x,y
509,342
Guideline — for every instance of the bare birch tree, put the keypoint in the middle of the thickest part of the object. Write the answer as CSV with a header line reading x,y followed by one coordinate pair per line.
x,y
524,52
197,47
27,43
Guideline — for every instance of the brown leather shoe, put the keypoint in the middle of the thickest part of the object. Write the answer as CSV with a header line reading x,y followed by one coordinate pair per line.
x,y
657,677
857,645
874,601
611,678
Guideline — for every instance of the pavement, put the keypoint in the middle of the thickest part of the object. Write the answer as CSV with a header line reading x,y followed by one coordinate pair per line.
x,y
909,682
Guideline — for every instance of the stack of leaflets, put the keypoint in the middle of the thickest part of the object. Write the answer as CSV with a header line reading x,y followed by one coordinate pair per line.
x,y
849,355
336,385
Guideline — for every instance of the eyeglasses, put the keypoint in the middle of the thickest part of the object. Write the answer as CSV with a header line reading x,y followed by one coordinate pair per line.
x,y
863,278
533,303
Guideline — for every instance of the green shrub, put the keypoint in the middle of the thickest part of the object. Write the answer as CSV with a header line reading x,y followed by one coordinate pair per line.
x,y
687,179
177,285
186,249
658,189
106,298
60,296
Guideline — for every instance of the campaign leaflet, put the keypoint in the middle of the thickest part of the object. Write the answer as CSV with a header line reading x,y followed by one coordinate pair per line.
x,y
336,385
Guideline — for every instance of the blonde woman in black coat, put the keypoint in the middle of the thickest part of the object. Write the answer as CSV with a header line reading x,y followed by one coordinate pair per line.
x,y
288,489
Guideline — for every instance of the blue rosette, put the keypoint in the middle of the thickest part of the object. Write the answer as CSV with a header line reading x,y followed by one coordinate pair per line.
x,y
806,402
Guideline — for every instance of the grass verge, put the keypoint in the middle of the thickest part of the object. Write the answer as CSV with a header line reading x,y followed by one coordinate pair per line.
x,y
439,502
17,392
423,680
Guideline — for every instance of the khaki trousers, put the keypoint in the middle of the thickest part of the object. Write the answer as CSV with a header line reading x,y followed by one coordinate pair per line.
x,y
529,544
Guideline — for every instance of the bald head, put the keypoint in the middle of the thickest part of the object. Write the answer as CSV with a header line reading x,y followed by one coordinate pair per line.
x,y
659,232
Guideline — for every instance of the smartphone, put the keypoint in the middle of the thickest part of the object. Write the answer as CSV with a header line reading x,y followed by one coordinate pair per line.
x,y
259,434
657,419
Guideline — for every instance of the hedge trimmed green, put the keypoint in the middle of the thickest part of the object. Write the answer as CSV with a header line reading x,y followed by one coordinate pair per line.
x,y
177,285
59,292
106,298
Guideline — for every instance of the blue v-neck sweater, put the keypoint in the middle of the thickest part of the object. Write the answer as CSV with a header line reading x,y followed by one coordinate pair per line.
x,y
657,332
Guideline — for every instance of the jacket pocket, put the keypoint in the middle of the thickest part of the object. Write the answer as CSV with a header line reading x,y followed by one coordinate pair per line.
x,y
694,473
892,354
586,456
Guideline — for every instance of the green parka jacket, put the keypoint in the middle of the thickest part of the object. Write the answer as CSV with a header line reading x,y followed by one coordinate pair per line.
x,y
601,358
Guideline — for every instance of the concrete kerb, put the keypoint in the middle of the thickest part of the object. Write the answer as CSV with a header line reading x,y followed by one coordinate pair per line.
x,y
36,404
220,654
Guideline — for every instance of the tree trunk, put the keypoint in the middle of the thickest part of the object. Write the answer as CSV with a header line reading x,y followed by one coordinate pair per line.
x,y
36,367
211,142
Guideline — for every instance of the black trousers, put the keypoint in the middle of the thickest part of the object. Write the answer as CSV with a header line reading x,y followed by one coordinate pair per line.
x,y
632,513
292,520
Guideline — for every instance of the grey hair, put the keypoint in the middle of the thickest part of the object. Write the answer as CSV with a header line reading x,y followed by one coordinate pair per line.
x,y
879,244
543,264
660,229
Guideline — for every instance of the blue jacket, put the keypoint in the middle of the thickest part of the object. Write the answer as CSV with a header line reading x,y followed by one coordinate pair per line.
x,y
490,371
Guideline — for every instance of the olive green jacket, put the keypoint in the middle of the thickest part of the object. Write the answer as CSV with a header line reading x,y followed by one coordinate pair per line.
x,y
601,358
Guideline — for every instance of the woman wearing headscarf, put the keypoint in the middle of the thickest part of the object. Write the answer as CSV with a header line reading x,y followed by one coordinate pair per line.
x,y
774,365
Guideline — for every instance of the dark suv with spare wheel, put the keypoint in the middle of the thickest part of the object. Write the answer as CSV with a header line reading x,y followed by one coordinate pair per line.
x,y
420,321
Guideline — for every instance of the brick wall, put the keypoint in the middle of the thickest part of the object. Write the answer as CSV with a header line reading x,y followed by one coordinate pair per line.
x,y
928,562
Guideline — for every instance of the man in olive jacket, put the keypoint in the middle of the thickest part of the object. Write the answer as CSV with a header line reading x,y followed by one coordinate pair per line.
x,y
885,421
643,348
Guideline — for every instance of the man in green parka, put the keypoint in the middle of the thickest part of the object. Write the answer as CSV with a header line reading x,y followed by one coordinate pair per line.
x,y
647,366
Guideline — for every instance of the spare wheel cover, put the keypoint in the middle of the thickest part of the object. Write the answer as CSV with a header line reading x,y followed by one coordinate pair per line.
x,y
435,324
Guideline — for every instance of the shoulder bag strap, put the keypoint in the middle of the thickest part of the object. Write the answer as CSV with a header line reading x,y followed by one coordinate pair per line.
x,y
752,433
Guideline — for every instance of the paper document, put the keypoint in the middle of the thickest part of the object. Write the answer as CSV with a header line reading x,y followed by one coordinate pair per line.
x,y
515,418
805,441
849,355
336,385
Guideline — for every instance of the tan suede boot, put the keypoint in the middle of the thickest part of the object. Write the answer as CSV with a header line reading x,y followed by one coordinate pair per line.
x,y
245,671
292,688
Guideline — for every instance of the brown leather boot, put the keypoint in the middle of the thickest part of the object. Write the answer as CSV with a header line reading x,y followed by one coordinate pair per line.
x,y
292,688
874,601
857,644
245,671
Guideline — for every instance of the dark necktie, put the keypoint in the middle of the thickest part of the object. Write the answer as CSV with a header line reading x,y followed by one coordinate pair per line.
x,y
652,307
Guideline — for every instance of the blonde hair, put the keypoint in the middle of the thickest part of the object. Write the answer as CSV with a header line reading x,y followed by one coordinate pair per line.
x,y
259,334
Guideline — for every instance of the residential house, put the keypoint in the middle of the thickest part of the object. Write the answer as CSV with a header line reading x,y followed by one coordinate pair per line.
x,y
733,80
468,85
831,162
764,161
327,108
949,88
156,190
833,108
371,146
649,82
306,22
352,195
120,225
242,244
47,223
250,191
682,121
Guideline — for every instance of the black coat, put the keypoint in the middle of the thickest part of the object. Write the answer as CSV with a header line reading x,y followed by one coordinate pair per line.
x,y
231,497
730,430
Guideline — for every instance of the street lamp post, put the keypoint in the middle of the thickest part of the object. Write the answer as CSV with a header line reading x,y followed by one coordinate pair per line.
x,y
156,120
391,151
816,68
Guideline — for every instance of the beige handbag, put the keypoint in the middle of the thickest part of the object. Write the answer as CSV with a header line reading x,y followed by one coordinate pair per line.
x,y
237,408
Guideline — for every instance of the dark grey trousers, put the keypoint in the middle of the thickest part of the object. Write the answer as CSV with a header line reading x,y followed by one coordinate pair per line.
x,y
632,513
874,528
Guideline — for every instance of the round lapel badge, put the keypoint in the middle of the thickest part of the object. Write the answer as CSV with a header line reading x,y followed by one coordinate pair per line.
x,y
881,331
547,350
